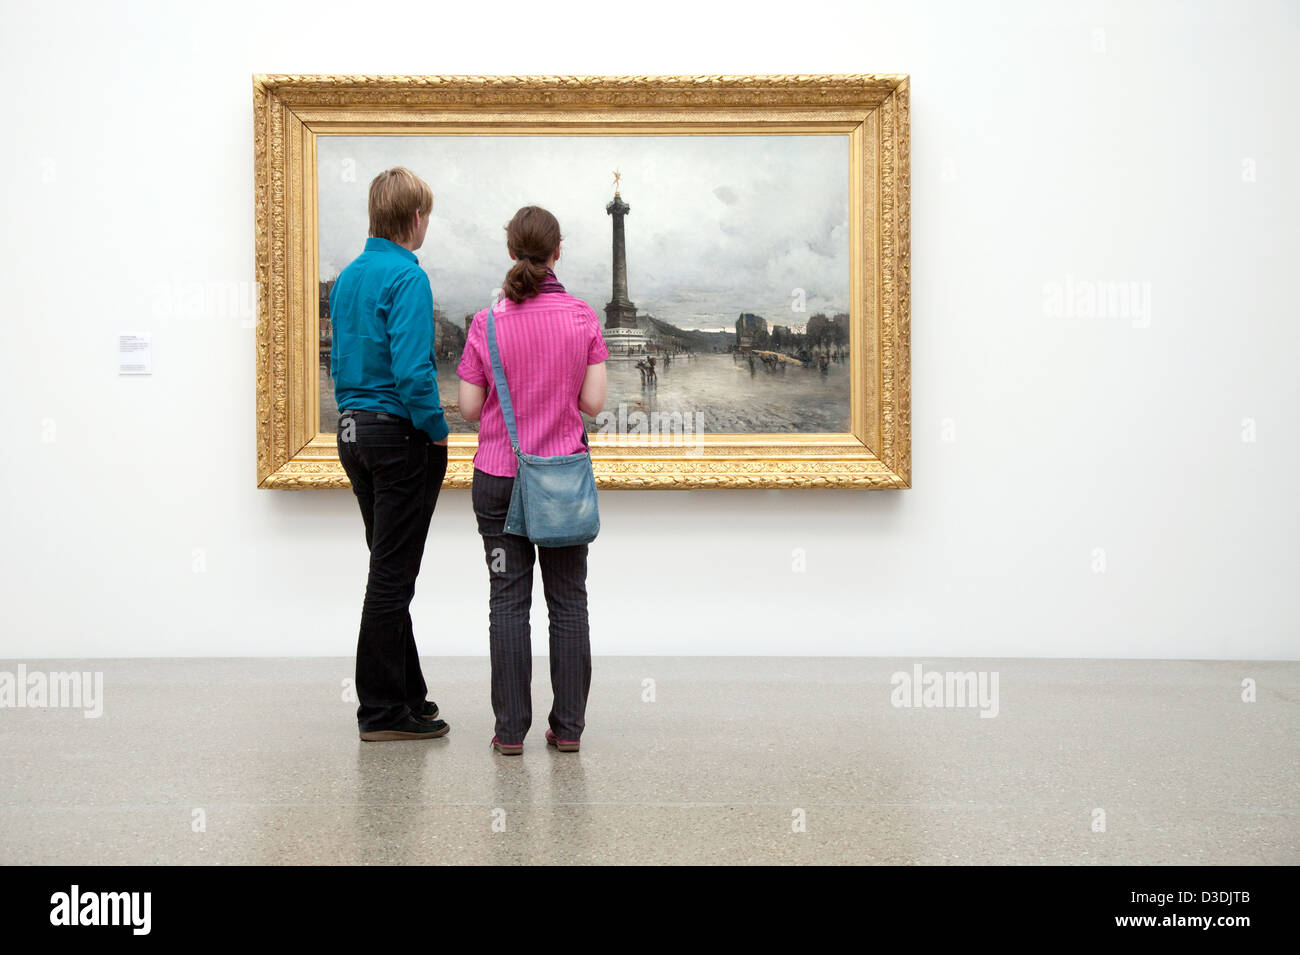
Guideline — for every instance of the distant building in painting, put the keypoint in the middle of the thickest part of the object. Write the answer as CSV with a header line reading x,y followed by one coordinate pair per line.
x,y
751,330
448,338
326,329
822,330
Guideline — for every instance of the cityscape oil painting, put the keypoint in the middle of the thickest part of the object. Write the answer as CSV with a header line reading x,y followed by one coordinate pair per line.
x,y
719,264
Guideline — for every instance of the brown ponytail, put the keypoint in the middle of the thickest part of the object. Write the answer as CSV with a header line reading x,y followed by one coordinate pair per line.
x,y
532,237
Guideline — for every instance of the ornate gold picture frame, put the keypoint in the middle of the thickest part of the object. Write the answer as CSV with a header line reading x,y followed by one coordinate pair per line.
x,y
870,110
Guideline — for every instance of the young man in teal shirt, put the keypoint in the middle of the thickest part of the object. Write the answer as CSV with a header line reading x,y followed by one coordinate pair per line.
x,y
392,440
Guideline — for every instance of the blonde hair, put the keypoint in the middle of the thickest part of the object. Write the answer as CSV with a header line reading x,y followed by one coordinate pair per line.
x,y
395,196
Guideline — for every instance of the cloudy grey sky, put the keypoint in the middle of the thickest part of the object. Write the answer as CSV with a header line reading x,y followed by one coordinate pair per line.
x,y
719,224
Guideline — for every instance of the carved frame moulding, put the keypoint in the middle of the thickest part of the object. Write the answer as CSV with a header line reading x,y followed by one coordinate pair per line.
x,y
290,112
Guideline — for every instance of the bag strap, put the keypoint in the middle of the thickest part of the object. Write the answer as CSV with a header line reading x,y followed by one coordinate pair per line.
x,y
503,392
499,373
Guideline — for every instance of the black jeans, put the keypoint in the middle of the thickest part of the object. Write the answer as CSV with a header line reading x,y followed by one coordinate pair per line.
x,y
396,472
564,582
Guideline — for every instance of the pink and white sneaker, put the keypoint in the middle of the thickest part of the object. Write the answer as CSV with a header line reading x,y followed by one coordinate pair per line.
x,y
563,745
507,749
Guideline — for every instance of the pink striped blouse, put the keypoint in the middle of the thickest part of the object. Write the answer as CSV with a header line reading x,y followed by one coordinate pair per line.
x,y
546,343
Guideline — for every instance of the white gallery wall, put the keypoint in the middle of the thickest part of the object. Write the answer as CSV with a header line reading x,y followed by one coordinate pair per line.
x,y
1084,485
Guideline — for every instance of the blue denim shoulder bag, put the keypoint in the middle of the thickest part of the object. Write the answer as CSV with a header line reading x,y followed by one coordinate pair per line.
x,y
553,503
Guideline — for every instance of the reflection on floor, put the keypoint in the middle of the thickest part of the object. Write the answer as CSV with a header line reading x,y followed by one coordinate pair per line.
x,y
712,760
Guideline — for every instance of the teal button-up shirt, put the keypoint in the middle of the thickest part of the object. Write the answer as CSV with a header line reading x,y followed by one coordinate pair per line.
x,y
381,310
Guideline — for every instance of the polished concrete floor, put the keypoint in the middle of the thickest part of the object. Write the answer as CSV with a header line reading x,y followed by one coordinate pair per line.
x,y
684,760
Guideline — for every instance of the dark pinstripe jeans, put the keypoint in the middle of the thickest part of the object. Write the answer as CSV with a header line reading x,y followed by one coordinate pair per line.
x,y
564,582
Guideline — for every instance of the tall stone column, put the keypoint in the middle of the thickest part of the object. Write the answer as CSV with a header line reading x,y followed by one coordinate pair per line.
x,y
619,313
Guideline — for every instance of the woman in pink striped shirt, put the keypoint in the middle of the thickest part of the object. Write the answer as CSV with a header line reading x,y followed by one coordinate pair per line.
x,y
553,355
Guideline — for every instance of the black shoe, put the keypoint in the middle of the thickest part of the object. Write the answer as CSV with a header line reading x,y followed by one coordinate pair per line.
x,y
426,710
408,727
